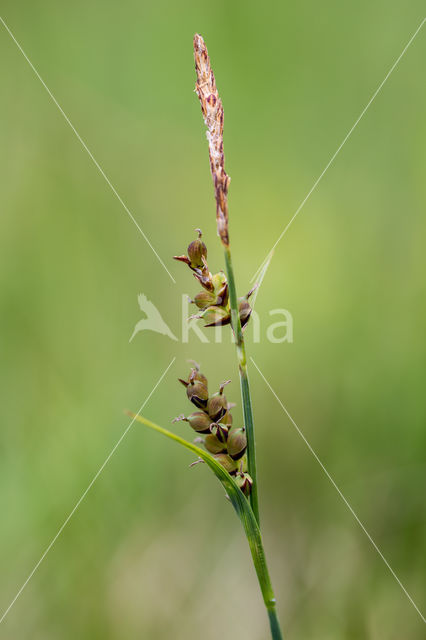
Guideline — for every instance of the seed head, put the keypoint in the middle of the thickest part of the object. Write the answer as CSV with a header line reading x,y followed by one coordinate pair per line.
x,y
215,316
245,482
227,463
237,443
221,430
200,422
197,254
212,109
217,405
205,299
194,376
227,418
244,310
198,394
214,445
197,250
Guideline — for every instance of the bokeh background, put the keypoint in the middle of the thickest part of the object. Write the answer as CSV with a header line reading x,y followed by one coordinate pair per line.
x,y
154,551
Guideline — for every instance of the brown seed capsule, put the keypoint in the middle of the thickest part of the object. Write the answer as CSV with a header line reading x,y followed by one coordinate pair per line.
x,y
197,376
223,296
245,482
217,407
244,310
237,443
221,431
197,250
199,421
204,277
197,394
214,445
227,462
194,376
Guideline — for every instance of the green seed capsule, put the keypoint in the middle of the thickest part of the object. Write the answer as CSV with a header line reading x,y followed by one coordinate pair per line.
x,y
219,280
217,406
200,422
227,462
215,316
245,482
214,445
197,394
237,443
205,299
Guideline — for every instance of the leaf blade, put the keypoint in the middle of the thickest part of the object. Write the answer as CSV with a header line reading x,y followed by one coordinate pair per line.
x,y
239,502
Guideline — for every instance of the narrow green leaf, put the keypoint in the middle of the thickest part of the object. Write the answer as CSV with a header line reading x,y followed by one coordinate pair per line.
x,y
240,504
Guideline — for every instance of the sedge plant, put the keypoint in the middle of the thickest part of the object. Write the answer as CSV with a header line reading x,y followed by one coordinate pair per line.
x,y
229,451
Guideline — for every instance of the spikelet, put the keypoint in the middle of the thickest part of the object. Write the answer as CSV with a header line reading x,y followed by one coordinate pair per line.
x,y
212,108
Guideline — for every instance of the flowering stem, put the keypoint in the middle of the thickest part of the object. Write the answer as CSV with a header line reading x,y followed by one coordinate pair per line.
x,y
274,623
244,381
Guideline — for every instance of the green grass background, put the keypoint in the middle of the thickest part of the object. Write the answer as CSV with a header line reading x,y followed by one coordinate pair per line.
x,y
154,551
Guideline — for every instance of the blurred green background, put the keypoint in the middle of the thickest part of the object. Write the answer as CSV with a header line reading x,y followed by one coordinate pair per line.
x,y
154,551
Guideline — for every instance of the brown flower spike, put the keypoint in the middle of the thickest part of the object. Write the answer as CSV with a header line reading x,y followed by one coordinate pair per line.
x,y
211,106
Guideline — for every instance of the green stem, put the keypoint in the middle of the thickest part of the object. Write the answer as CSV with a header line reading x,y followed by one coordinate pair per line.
x,y
265,585
275,625
244,381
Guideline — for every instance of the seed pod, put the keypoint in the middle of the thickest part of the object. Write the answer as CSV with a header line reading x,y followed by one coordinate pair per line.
x,y
218,280
217,407
205,299
227,419
222,432
227,462
197,250
214,445
199,421
215,316
197,254
237,443
197,394
244,310
223,296
195,375
245,482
